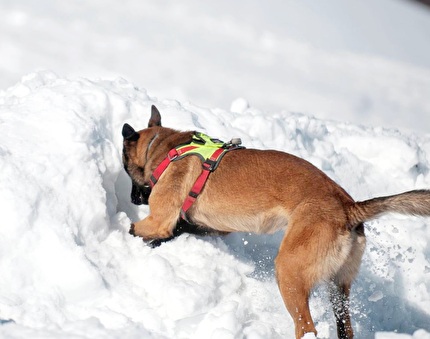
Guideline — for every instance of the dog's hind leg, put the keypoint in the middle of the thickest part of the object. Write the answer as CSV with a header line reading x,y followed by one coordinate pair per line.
x,y
339,297
313,250
294,265
340,284
295,286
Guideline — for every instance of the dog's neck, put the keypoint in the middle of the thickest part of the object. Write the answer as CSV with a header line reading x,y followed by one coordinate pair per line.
x,y
161,143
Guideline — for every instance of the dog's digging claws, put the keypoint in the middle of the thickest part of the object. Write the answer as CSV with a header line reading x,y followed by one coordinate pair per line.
x,y
157,242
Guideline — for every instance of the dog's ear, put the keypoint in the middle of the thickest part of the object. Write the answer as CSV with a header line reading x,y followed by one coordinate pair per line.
x,y
129,133
155,119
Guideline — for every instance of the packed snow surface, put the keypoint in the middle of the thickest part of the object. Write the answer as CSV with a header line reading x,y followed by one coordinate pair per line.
x,y
69,268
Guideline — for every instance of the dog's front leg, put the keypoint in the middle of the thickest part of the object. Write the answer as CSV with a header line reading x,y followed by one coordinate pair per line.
x,y
165,204
153,228
166,200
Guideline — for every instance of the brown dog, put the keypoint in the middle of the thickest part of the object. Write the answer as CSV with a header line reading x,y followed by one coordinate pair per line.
x,y
261,192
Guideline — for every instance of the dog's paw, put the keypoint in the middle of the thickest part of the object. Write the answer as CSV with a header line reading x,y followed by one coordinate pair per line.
x,y
157,242
131,231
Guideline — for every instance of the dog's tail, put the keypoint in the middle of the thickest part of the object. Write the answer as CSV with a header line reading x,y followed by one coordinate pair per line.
x,y
411,203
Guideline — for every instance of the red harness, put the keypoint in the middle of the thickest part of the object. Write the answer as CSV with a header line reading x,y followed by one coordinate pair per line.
x,y
209,165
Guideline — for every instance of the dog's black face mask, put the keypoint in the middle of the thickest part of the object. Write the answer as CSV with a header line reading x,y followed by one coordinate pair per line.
x,y
140,194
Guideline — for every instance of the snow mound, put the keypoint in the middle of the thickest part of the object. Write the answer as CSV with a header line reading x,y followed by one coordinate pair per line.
x,y
70,269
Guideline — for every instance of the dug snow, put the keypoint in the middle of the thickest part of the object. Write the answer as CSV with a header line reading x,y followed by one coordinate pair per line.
x,y
69,268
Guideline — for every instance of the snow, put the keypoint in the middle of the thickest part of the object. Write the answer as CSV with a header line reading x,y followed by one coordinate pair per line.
x,y
307,78
367,62
70,269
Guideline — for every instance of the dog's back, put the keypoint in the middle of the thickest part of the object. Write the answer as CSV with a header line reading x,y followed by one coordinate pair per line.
x,y
263,190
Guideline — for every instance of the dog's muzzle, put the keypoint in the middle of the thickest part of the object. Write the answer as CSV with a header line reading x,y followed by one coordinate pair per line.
x,y
140,194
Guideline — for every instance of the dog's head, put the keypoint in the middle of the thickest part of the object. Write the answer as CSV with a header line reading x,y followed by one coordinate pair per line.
x,y
135,154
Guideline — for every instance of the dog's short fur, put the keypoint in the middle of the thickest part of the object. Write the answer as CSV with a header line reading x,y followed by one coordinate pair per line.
x,y
261,192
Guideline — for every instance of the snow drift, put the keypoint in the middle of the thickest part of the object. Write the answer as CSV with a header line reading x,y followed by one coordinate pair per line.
x,y
70,269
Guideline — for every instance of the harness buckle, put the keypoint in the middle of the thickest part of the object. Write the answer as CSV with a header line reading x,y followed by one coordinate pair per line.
x,y
209,165
173,154
234,143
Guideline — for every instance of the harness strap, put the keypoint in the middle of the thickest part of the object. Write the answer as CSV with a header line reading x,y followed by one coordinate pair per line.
x,y
209,165
171,156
